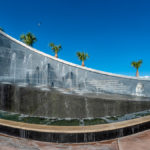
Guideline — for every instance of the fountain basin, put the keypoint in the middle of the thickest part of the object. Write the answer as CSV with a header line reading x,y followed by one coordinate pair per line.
x,y
74,134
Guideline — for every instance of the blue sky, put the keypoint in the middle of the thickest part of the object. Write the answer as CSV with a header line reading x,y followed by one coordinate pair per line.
x,y
112,32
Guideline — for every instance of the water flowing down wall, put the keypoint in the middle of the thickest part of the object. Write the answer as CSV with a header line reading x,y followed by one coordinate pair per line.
x,y
21,65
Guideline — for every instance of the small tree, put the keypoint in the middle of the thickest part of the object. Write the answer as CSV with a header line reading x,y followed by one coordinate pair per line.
x,y
137,65
82,57
28,38
55,48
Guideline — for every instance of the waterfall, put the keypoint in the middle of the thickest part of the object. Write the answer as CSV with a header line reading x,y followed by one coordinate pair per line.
x,y
24,69
70,78
44,72
76,77
58,73
85,78
86,107
23,133
63,75
63,70
13,67
29,68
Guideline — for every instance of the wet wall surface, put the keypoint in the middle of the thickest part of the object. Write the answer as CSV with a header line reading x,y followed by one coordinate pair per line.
x,y
25,66
21,65
55,104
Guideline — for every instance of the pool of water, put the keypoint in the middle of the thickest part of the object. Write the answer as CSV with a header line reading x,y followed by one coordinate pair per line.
x,y
70,122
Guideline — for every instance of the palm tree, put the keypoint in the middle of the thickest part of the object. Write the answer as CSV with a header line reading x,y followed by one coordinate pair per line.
x,y
28,39
137,65
82,56
55,48
1,29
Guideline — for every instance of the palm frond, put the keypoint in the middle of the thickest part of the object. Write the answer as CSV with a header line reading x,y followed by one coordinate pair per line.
x,y
51,44
82,56
136,64
55,48
22,37
29,38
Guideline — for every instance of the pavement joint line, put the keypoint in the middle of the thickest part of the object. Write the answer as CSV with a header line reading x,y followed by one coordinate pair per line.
x,y
118,143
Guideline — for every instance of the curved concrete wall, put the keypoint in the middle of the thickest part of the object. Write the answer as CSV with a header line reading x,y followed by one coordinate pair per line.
x,y
22,64
53,104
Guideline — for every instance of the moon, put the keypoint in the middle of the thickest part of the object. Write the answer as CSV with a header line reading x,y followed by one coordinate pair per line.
x,y
39,24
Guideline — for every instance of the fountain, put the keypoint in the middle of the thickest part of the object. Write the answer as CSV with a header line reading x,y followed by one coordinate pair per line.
x,y
91,105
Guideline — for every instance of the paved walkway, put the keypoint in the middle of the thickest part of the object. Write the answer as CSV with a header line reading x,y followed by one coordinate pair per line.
x,y
140,141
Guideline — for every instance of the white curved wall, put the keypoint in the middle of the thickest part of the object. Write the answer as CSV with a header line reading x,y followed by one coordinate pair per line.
x,y
23,64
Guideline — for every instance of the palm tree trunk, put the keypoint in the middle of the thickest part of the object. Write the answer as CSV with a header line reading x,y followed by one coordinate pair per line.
x,y
137,73
56,55
83,63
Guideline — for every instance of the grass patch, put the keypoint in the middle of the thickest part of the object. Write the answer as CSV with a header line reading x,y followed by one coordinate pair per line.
x,y
63,122
34,120
73,122
13,117
94,121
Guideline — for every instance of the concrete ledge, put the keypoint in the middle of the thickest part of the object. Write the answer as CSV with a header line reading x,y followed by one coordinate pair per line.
x,y
74,134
